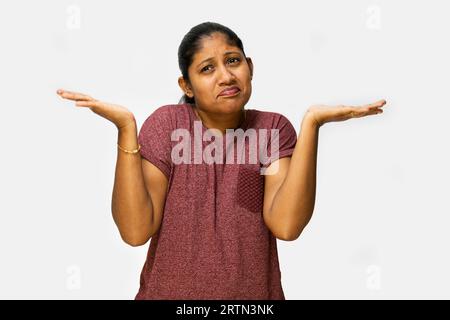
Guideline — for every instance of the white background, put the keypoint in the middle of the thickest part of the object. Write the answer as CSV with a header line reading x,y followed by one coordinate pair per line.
x,y
380,225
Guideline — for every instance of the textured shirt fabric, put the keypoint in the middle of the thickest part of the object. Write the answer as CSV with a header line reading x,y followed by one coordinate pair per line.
x,y
212,242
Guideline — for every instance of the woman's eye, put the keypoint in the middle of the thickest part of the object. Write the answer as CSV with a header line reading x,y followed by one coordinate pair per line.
x,y
205,68
231,59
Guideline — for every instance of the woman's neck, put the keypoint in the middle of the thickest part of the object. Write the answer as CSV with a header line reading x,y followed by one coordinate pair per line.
x,y
221,122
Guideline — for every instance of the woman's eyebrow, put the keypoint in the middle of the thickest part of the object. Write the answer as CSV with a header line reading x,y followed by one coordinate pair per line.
x,y
225,54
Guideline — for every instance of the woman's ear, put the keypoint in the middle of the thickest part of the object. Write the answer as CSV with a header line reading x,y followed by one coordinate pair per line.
x,y
184,85
250,65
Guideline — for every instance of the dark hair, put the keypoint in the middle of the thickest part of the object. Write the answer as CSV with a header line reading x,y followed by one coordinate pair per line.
x,y
191,44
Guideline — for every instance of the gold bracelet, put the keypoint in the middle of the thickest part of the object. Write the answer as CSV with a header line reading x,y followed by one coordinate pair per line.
x,y
130,151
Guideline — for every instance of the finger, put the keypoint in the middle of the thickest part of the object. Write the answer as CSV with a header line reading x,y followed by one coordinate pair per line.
x,y
74,95
374,109
89,103
358,112
373,112
378,104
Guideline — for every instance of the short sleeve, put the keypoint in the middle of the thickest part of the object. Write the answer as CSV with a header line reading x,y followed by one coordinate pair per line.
x,y
287,139
154,138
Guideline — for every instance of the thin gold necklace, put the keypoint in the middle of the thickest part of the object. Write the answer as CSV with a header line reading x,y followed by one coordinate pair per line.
x,y
240,123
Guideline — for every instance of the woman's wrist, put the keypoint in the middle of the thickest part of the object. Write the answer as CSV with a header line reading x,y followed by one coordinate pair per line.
x,y
129,126
127,138
310,118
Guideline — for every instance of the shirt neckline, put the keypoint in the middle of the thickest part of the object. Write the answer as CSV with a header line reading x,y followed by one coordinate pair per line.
x,y
243,125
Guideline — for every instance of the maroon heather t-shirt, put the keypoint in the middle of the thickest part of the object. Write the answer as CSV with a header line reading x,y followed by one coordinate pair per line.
x,y
212,242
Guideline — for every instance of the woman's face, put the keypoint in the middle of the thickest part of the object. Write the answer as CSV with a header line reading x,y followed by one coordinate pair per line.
x,y
215,67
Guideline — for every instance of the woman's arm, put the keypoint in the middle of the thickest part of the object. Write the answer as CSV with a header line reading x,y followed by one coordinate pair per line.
x,y
139,187
131,204
291,191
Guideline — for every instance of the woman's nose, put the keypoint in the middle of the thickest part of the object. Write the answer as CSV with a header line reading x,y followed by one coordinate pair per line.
x,y
225,75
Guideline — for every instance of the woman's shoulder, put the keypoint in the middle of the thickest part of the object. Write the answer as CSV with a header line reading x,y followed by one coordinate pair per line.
x,y
268,119
168,116
170,109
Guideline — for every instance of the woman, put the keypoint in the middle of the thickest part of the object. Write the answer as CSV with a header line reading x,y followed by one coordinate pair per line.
x,y
213,225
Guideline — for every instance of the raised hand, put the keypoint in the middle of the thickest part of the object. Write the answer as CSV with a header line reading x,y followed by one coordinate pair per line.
x,y
118,115
322,114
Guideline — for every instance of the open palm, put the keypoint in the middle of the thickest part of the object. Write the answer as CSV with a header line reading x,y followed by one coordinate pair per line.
x,y
323,114
117,114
